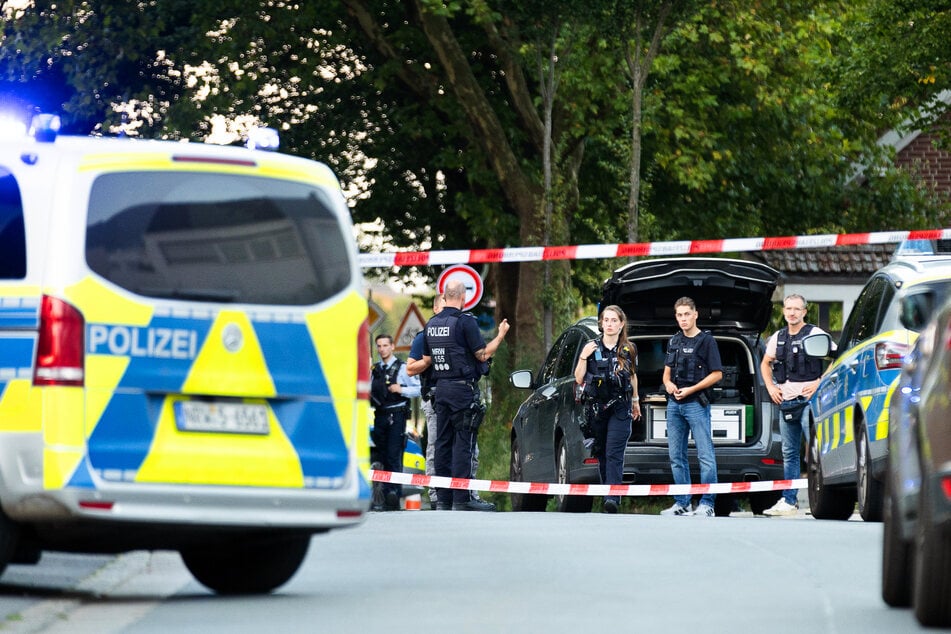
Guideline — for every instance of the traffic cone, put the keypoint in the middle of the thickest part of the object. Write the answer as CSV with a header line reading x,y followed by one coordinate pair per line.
x,y
414,502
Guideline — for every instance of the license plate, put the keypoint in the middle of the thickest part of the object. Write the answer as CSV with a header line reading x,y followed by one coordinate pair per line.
x,y
227,418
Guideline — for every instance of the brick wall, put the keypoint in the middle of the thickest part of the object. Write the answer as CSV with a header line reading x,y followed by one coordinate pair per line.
x,y
931,165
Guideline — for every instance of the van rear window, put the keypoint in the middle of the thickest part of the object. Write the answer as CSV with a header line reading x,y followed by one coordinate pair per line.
x,y
12,235
216,237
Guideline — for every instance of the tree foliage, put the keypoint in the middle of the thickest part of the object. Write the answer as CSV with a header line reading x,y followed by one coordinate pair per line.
x,y
491,123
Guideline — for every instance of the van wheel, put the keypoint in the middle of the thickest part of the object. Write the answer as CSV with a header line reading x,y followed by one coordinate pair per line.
x,y
870,491
897,557
932,579
249,565
825,502
9,538
522,501
569,503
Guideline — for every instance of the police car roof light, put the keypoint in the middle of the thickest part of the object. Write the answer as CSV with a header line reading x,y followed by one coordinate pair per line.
x,y
263,139
45,127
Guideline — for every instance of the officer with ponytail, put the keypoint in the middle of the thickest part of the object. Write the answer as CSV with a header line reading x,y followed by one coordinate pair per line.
x,y
606,372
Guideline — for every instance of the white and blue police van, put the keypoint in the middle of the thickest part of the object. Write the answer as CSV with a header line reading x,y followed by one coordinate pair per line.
x,y
184,355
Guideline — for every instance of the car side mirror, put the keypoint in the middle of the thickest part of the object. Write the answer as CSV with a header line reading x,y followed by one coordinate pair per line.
x,y
521,379
817,345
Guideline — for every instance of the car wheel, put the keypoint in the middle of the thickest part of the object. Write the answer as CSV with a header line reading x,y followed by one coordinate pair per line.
x,y
932,568
896,557
9,538
759,502
522,501
870,491
251,565
825,502
569,503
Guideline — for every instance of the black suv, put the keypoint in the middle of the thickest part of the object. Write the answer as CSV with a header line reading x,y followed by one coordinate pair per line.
x,y
734,299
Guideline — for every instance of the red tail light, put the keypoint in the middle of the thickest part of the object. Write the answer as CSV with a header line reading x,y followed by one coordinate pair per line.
x,y
61,344
889,354
946,487
363,361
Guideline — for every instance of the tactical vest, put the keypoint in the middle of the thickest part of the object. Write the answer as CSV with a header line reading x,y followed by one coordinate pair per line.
x,y
604,381
380,382
451,359
792,363
686,367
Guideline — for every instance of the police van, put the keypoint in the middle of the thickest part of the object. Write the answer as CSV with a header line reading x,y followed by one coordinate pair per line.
x,y
184,355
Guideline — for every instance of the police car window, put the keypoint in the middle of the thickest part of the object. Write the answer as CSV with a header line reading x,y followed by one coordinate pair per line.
x,y
12,235
863,319
216,237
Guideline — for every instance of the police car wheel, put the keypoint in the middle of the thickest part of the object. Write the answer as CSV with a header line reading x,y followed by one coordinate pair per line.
x,y
870,491
251,565
932,584
9,535
825,502
896,558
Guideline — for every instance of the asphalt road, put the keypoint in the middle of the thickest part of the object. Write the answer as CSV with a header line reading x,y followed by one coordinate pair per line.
x,y
496,572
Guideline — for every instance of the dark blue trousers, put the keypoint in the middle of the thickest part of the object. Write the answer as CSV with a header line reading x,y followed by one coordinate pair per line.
x,y
455,440
612,431
389,437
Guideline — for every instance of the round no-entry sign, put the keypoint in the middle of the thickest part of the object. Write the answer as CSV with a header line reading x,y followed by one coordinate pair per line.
x,y
468,276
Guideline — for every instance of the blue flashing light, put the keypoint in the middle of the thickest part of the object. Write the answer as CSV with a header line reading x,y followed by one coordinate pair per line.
x,y
45,127
263,139
11,127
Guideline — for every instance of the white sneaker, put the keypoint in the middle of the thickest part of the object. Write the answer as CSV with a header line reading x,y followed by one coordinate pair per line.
x,y
781,508
676,509
704,510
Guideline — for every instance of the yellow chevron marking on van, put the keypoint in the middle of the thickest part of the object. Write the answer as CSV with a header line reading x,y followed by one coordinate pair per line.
x,y
881,429
849,425
218,371
224,459
338,351
102,305
103,373
59,465
20,407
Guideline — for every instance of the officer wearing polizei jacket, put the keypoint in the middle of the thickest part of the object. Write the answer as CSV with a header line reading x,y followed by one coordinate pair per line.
x,y
391,389
692,366
606,370
459,356
791,377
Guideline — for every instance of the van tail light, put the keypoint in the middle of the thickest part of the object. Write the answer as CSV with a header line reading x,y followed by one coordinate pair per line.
x,y
363,361
60,345
889,354
946,486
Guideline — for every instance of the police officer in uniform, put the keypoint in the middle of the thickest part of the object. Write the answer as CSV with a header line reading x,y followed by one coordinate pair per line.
x,y
391,389
459,356
791,377
692,365
606,370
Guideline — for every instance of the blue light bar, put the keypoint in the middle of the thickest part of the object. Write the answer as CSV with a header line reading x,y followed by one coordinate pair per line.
x,y
263,139
45,127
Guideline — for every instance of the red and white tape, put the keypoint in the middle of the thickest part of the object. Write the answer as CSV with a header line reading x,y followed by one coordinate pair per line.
x,y
552,488
636,249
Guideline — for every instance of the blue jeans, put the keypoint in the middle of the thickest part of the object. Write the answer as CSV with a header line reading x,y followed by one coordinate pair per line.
x,y
792,433
682,419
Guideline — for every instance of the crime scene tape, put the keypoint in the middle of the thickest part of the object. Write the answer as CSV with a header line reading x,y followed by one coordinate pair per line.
x,y
635,249
554,488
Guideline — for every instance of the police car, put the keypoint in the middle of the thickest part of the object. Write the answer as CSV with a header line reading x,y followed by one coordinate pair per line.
x,y
848,437
184,355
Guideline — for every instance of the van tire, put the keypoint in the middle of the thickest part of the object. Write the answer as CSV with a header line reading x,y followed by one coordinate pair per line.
x,y
897,557
9,538
825,502
932,583
252,565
